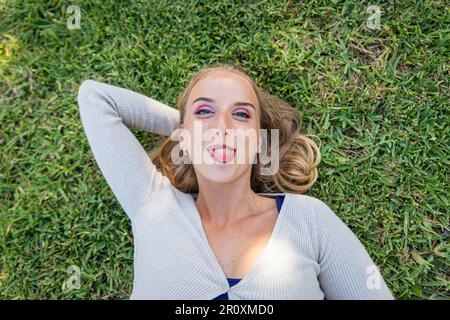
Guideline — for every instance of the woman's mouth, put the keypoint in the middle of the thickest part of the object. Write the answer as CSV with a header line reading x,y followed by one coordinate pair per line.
x,y
222,153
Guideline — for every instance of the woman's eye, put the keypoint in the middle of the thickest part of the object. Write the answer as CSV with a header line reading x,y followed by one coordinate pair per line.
x,y
201,111
205,111
242,114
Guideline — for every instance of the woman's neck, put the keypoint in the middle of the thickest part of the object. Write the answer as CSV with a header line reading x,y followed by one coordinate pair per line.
x,y
223,205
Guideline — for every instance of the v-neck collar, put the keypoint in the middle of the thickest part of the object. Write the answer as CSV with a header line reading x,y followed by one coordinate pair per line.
x,y
264,255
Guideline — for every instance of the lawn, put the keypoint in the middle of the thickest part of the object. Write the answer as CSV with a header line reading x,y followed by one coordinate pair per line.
x,y
375,98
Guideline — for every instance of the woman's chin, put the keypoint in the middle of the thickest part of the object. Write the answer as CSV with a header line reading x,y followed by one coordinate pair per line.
x,y
220,173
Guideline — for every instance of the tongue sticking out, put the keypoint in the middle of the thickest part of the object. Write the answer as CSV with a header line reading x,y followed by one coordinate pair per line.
x,y
223,155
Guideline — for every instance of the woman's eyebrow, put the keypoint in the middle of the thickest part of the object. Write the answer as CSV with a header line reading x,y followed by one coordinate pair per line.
x,y
239,103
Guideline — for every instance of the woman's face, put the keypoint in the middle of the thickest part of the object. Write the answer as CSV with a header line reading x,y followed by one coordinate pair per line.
x,y
221,127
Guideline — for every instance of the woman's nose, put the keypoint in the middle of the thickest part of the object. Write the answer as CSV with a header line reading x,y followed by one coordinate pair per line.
x,y
224,132
223,125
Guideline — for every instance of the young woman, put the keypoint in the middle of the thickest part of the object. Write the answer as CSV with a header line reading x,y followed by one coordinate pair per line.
x,y
238,239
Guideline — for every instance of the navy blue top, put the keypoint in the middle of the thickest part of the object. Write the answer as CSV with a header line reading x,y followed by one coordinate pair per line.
x,y
233,281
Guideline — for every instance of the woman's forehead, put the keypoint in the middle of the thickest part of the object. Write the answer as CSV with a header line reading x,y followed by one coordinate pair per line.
x,y
224,87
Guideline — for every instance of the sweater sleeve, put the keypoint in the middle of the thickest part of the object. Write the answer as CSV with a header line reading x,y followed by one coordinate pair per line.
x,y
107,113
346,269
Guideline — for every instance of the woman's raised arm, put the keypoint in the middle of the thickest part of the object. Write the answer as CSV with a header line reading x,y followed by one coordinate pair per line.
x,y
107,113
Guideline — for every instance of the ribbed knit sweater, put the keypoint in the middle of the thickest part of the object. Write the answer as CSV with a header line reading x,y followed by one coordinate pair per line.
x,y
311,253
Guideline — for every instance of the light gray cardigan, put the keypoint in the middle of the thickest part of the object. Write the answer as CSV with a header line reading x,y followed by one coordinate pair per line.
x,y
311,254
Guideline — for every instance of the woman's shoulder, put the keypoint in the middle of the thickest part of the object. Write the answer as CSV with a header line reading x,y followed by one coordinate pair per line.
x,y
306,200
312,208
323,224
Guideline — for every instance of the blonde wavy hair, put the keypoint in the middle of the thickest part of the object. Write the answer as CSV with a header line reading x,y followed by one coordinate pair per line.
x,y
299,156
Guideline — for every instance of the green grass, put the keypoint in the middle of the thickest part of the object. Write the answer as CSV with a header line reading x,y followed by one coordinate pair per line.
x,y
377,102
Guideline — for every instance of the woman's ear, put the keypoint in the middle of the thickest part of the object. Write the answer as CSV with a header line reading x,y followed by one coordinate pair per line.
x,y
180,137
